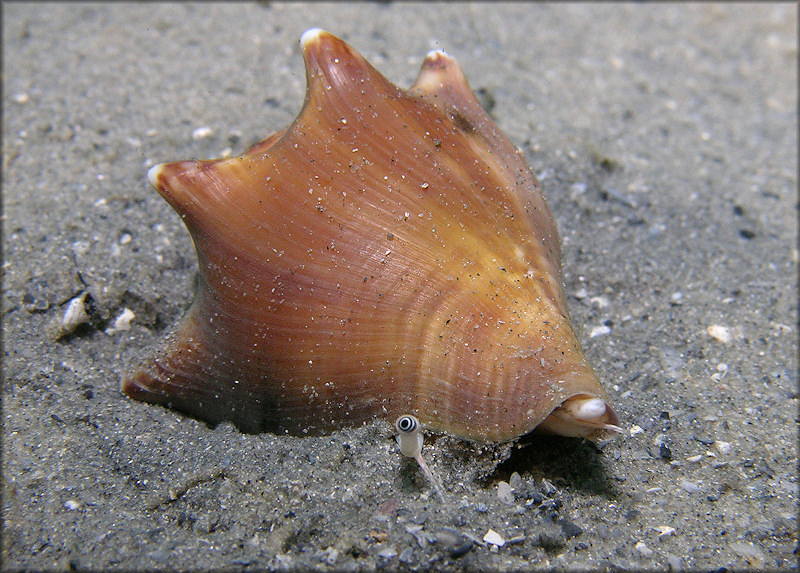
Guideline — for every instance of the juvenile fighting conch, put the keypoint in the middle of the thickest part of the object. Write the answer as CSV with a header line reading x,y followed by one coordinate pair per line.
x,y
388,253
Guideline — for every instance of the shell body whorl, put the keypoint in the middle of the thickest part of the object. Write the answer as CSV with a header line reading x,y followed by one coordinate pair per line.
x,y
388,253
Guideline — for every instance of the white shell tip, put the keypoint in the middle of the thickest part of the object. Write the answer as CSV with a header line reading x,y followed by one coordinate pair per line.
x,y
439,57
310,35
153,174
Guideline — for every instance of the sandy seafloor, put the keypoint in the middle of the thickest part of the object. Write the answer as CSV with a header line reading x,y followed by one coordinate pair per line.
x,y
665,138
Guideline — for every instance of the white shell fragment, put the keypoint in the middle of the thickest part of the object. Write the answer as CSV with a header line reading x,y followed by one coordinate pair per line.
x,y
75,315
122,322
600,331
643,549
719,332
72,505
494,538
664,531
722,447
202,132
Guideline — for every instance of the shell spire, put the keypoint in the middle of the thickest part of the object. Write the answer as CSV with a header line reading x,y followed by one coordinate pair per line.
x,y
441,82
388,253
337,75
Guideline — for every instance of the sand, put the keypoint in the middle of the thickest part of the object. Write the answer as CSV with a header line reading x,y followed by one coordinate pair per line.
x,y
665,138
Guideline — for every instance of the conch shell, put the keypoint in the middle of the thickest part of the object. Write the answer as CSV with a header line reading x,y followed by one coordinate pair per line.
x,y
389,253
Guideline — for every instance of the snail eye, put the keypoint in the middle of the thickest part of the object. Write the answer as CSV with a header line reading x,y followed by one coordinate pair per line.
x,y
406,424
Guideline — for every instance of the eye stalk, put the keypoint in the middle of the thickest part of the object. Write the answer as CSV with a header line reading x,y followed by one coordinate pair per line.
x,y
409,438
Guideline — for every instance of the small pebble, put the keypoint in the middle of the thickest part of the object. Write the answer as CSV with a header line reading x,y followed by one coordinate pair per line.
x,y
481,507
689,486
643,549
722,447
602,530
674,563
515,481
378,535
551,504
447,537
161,556
719,332
570,529
330,555
536,499
418,533
635,430
388,553
206,523
504,493
406,554
461,550
473,539
202,132
664,531
578,188
749,552
705,440
722,371
494,538
549,540
72,505
388,509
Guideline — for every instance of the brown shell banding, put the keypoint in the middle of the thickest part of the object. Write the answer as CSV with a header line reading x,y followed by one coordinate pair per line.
x,y
387,253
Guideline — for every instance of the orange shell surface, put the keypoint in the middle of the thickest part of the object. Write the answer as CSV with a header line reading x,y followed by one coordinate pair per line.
x,y
388,253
